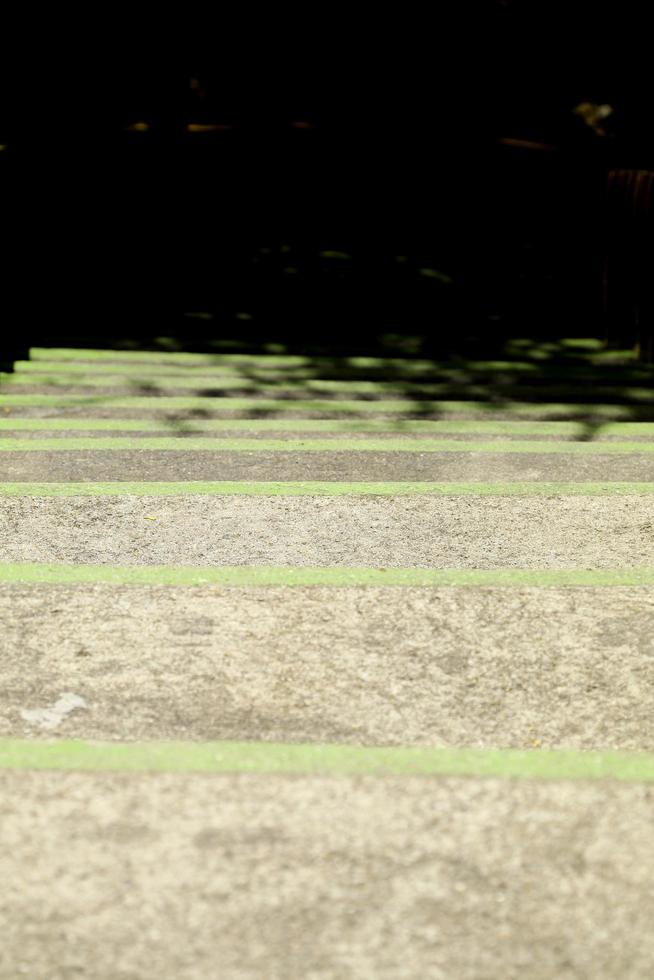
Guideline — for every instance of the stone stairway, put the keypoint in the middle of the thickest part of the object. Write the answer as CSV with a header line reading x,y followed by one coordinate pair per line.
x,y
326,668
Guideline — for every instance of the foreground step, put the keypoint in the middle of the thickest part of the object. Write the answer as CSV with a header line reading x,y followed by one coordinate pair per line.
x,y
431,531
345,465
522,667
172,875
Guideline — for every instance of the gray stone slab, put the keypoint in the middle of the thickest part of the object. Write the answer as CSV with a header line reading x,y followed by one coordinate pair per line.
x,y
290,431
591,415
520,667
101,465
421,531
128,877
149,410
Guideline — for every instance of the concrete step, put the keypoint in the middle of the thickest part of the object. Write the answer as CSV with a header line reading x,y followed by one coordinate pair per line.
x,y
489,667
340,465
14,426
309,405
172,875
428,531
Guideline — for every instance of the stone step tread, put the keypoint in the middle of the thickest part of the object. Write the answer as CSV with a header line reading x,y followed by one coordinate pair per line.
x,y
424,531
316,876
520,667
342,466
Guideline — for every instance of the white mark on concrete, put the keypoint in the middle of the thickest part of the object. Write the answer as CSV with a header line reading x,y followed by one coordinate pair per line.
x,y
50,718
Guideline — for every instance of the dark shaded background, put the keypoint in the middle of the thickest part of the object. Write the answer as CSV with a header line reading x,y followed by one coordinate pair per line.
x,y
357,184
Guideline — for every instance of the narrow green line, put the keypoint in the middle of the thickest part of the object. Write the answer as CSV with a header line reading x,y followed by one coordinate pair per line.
x,y
472,408
206,444
254,576
304,367
154,369
134,379
478,427
314,367
162,357
323,489
337,760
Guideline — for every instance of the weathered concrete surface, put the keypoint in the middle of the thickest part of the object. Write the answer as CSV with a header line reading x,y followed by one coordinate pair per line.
x,y
99,465
289,430
591,415
403,531
266,386
119,877
128,877
453,667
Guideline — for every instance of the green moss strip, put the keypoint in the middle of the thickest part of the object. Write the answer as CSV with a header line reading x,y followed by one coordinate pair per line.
x,y
474,427
322,489
339,577
338,760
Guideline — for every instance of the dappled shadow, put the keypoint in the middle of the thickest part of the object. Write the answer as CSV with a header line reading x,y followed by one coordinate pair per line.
x,y
579,381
